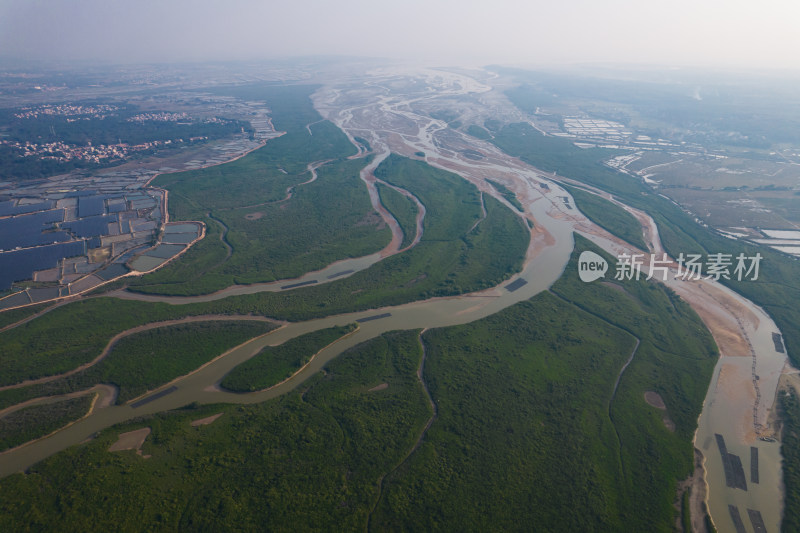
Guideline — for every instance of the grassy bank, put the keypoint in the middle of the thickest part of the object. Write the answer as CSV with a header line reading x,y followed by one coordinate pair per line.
x,y
403,209
37,421
307,461
324,221
609,216
147,359
507,193
74,334
273,364
790,450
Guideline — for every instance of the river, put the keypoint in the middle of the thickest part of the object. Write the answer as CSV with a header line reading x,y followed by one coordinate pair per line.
x,y
390,123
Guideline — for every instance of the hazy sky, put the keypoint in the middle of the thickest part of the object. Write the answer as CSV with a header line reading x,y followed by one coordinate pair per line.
x,y
729,33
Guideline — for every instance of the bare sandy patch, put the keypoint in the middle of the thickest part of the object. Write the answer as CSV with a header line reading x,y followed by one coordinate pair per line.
x,y
653,398
382,386
720,322
98,255
106,395
696,486
371,219
254,216
132,440
205,421
470,309
735,389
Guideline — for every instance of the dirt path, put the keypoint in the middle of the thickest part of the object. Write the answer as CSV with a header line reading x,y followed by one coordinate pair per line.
x,y
622,370
133,331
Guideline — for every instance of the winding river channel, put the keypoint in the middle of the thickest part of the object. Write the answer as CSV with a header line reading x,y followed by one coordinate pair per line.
x,y
737,404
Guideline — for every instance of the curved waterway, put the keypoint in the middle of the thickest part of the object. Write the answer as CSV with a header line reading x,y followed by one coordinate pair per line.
x,y
745,379
540,272
734,429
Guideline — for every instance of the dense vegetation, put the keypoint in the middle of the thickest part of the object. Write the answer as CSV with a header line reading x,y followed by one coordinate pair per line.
x,y
37,421
533,384
263,175
14,164
479,132
148,359
112,128
449,260
308,461
151,358
403,209
778,286
507,193
324,221
790,450
452,204
273,364
675,358
74,334
522,435
609,216
272,236
8,318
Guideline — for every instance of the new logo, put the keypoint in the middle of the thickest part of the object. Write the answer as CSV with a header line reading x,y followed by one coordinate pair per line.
x,y
591,266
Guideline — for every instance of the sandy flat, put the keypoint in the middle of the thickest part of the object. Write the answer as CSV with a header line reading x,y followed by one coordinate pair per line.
x,y
655,399
735,390
205,421
132,440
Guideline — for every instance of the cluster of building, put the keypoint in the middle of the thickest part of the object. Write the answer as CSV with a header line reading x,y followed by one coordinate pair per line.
x,y
160,117
67,110
60,151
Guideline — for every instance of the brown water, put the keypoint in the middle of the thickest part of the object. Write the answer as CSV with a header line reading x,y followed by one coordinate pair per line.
x,y
729,411
730,407
539,273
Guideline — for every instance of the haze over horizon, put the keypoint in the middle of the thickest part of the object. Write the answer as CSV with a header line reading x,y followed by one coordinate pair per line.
x,y
716,33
